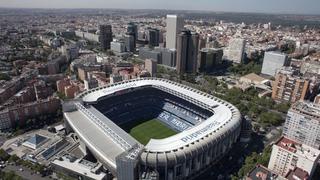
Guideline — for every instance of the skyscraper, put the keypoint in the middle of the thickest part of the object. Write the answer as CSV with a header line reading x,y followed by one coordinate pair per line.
x,y
236,49
187,52
132,30
105,36
175,25
153,37
303,124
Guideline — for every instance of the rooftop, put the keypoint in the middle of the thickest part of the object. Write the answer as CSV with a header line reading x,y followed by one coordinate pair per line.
x,y
36,139
253,77
297,174
308,109
261,173
298,149
80,166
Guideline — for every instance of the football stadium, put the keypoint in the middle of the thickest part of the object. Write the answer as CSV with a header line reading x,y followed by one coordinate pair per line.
x,y
152,128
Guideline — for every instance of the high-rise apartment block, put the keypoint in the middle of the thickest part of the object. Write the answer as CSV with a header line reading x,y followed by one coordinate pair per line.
x,y
236,50
273,61
287,155
289,86
303,124
175,25
209,58
187,52
105,36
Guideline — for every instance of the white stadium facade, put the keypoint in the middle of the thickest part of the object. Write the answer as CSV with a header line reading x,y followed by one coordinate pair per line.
x,y
206,128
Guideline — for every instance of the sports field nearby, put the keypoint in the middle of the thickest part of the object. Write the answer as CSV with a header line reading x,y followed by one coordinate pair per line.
x,y
146,130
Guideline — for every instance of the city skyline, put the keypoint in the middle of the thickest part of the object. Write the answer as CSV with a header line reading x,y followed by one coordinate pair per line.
x,y
271,6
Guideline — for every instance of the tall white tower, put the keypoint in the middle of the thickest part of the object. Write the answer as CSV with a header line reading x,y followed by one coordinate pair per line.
x,y
174,26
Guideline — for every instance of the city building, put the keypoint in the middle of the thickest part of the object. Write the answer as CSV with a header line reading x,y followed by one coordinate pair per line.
x,y
53,67
168,56
153,37
18,114
130,42
287,155
187,52
317,99
209,59
289,86
79,168
303,124
88,36
236,50
260,172
114,78
297,174
62,84
175,25
90,83
26,95
273,61
42,91
105,36
151,66
83,71
132,30
148,53
118,47
71,91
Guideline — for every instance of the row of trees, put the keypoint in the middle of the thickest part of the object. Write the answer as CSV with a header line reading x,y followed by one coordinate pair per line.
x,y
4,156
9,176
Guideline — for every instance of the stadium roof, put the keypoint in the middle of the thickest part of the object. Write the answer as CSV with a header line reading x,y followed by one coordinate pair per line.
x,y
96,138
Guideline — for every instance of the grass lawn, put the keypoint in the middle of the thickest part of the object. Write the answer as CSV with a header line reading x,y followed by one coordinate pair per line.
x,y
146,130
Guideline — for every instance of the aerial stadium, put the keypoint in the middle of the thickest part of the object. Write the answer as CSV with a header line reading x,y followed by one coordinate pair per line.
x,y
152,128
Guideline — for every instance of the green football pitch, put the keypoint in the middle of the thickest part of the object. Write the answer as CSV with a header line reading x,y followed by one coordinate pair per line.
x,y
143,131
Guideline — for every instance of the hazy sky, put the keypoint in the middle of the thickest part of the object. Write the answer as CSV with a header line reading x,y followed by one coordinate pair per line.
x,y
272,6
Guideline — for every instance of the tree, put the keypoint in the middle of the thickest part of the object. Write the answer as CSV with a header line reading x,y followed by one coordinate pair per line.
x,y
254,159
282,107
270,118
4,156
5,77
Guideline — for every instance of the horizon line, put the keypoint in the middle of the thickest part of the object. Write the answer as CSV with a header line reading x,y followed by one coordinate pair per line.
x,y
133,9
